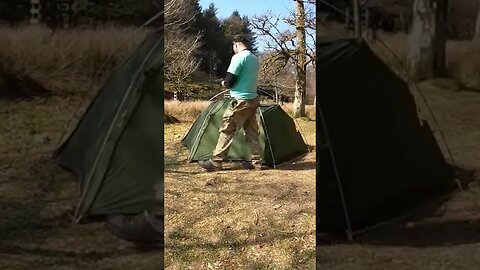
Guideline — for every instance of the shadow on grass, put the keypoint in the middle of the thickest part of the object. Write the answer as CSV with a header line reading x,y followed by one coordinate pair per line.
x,y
299,166
183,172
264,229
43,252
429,234
21,217
24,228
18,216
230,242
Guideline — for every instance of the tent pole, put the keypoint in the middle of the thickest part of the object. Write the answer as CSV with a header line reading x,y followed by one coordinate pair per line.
x,y
195,141
337,175
77,110
105,140
223,92
299,127
268,139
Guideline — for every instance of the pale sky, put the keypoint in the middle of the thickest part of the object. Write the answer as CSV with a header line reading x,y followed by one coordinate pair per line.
x,y
254,7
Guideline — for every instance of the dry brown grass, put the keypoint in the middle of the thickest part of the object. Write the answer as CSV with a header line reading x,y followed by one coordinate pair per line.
x,y
188,111
463,57
238,219
463,62
70,60
184,111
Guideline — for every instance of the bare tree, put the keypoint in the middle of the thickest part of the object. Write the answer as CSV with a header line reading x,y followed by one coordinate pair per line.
x,y
301,82
477,24
286,46
356,18
275,74
180,61
426,57
177,14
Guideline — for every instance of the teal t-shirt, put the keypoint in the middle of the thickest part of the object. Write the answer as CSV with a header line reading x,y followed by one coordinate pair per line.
x,y
246,66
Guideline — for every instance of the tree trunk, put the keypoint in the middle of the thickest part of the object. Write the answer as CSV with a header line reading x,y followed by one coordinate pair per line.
x,y
440,41
367,31
356,19
477,25
426,57
301,80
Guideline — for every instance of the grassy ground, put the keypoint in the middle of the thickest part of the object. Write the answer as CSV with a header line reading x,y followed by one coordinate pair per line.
x,y
252,220
238,219
37,198
447,238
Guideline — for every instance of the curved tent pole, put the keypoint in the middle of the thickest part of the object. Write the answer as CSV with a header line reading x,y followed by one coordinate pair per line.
x,y
210,100
265,92
202,128
300,130
296,123
77,215
122,44
225,91
268,139
337,175
221,93
425,101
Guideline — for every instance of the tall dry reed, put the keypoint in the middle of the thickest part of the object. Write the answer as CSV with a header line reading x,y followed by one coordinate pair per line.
x,y
68,60
188,111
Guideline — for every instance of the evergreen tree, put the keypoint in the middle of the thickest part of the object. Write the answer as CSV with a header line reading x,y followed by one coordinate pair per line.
x,y
214,44
250,35
194,26
126,12
14,11
232,26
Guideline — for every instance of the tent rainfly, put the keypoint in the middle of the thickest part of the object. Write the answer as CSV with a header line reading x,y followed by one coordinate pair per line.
x,y
116,150
279,137
375,158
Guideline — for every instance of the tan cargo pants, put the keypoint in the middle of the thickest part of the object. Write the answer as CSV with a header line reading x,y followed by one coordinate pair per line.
x,y
240,113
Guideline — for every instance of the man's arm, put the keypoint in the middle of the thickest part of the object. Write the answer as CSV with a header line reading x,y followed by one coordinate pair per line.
x,y
232,72
230,80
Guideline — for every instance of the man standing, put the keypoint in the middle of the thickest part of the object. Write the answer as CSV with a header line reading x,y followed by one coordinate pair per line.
x,y
241,79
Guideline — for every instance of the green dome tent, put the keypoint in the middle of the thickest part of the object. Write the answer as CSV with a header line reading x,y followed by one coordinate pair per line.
x,y
375,158
116,150
279,137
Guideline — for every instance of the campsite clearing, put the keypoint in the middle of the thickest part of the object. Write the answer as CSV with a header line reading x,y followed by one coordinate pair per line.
x,y
238,219
37,197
